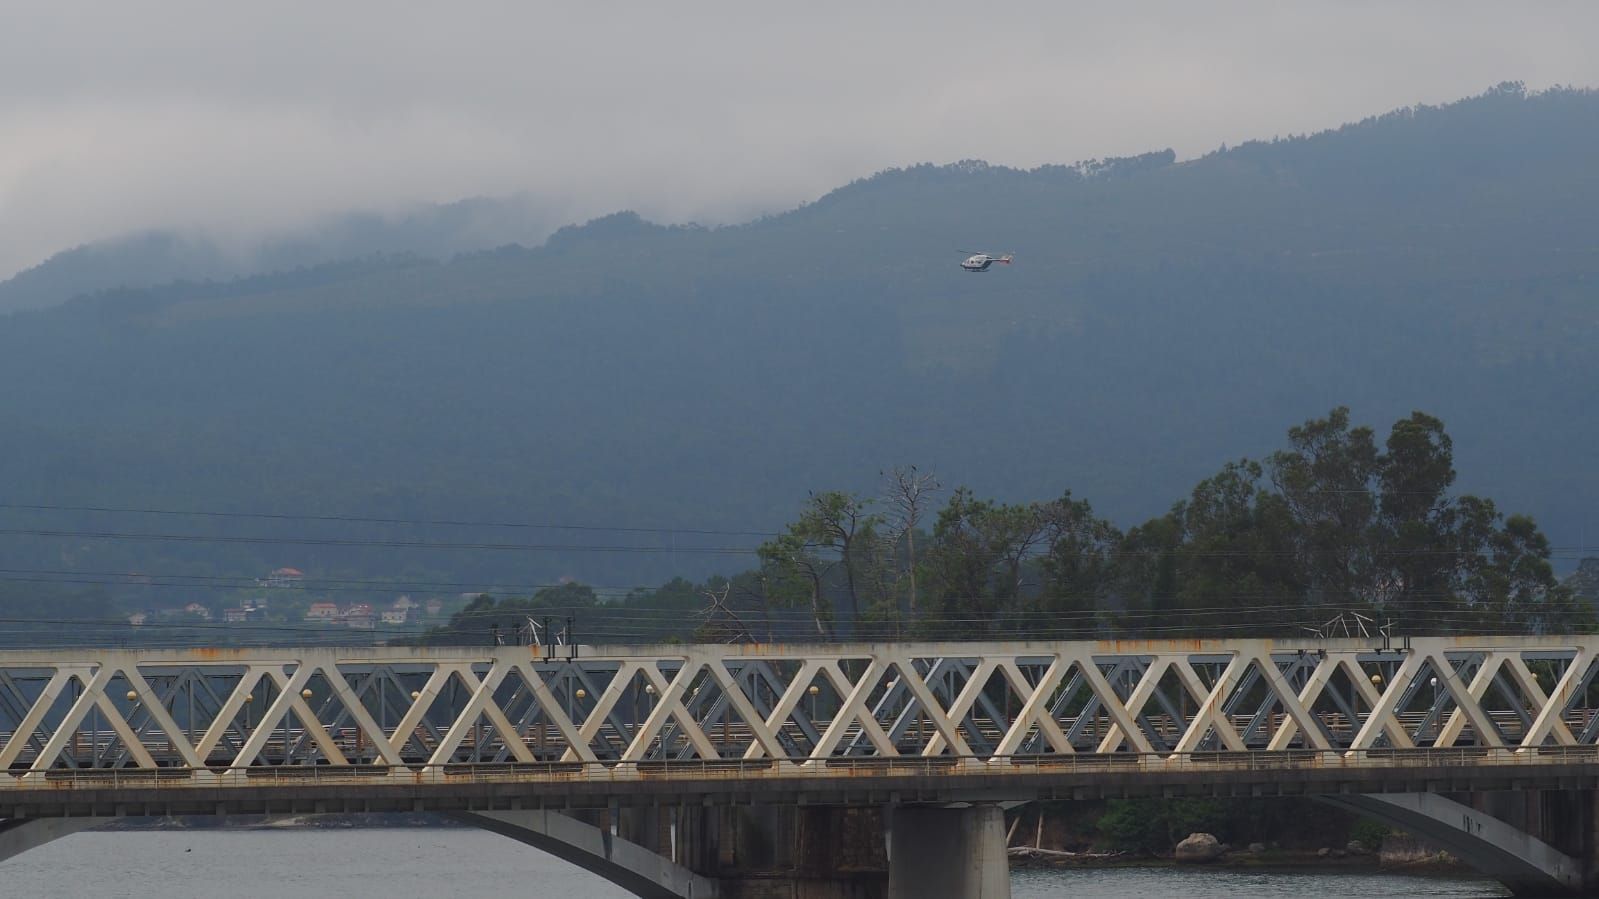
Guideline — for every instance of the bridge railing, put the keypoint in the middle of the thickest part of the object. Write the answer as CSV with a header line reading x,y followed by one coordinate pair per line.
x,y
891,768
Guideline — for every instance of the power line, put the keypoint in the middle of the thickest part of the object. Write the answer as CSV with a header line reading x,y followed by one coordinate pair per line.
x,y
225,585
624,624
629,618
195,636
311,585
366,519
318,586
369,542
1176,551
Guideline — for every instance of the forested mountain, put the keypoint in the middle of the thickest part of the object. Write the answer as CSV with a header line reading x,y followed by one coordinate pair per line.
x,y
1162,318
158,257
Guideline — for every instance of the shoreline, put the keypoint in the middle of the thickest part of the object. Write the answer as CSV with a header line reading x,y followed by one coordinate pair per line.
x,y
1270,861
1273,861
352,821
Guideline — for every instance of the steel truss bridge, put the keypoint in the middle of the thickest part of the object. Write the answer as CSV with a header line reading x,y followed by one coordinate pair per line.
x,y
490,730
190,713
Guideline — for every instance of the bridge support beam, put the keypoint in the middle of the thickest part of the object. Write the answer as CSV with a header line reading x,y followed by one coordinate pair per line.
x,y
18,835
786,852
952,852
628,865
1526,865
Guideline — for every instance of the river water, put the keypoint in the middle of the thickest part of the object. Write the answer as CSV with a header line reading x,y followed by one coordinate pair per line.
x,y
441,863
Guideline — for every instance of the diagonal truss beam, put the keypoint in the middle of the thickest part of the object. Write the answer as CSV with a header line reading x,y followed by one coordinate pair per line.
x,y
90,709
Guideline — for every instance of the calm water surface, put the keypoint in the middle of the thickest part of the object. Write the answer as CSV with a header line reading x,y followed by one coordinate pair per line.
x,y
393,863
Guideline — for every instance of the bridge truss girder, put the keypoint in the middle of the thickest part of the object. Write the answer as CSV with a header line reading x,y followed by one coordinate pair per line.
x,y
394,707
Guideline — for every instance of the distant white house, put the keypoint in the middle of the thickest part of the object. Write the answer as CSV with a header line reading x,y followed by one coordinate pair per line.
x,y
284,577
359,617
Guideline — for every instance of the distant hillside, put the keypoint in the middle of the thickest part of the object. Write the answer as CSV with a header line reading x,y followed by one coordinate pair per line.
x,y
1161,318
158,257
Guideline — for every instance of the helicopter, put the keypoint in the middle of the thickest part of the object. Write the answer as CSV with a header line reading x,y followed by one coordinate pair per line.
x,y
979,262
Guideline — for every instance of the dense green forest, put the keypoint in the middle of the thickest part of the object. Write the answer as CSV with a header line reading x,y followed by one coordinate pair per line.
x,y
1340,523
646,402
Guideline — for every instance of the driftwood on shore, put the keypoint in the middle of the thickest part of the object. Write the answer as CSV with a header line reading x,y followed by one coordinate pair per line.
x,y
1036,854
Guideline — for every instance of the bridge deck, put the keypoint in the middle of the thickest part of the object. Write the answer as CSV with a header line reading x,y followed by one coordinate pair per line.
x,y
321,789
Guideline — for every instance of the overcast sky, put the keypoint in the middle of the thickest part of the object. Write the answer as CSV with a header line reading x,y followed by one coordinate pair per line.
x,y
240,119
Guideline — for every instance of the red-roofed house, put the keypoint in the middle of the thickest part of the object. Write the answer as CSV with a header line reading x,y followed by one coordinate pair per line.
x,y
284,577
322,611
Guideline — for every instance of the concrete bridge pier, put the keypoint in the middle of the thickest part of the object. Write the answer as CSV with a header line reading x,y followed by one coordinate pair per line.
x,y
958,852
788,852
698,852
776,852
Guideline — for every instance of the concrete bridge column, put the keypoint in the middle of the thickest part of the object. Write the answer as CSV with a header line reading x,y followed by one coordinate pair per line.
x,y
727,852
836,852
787,852
958,853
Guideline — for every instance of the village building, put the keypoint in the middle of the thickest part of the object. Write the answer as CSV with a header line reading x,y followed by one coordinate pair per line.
x,y
321,611
360,617
284,577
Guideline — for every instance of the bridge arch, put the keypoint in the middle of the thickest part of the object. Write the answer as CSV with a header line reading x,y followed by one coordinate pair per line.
x,y
1524,864
18,835
627,865
630,866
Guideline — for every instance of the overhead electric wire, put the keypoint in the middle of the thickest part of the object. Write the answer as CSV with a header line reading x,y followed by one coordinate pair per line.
x,y
1441,608
1555,552
192,637
309,585
631,614
631,619
367,542
207,634
367,519
373,585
